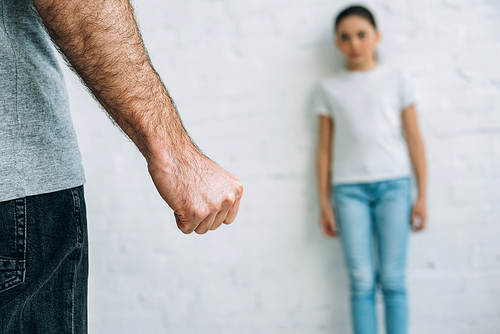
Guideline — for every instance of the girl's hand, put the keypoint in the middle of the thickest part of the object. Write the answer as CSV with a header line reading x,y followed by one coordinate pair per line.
x,y
327,222
418,215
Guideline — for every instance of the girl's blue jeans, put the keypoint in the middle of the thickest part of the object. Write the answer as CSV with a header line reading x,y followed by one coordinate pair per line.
x,y
374,221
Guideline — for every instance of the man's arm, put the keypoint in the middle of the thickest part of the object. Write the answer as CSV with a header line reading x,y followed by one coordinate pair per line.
x,y
101,41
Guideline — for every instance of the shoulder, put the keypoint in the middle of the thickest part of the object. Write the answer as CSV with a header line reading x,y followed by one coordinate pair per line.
x,y
404,85
391,71
397,72
396,76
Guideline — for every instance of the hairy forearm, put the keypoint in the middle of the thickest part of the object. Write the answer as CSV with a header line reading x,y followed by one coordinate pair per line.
x,y
101,41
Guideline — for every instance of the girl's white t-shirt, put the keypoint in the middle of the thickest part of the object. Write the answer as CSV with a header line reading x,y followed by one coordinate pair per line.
x,y
366,109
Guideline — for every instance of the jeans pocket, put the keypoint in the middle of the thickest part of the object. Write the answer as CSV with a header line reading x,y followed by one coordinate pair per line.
x,y
12,243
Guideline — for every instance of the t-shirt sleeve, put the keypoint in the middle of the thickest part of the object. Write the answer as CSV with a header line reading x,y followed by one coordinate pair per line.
x,y
320,104
408,94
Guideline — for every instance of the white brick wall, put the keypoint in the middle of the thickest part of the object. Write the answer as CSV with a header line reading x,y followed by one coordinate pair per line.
x,y
242,73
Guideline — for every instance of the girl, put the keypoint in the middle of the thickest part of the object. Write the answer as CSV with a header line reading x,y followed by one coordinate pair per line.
x,y
366,114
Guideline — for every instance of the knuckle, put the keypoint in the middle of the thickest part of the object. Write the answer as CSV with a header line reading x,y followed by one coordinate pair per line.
x,y
228,221
230,199
239,189
199,232
213,206
189,220
186,226
186,229
201,214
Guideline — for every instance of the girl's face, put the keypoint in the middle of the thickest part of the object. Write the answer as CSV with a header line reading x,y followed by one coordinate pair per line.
x,y
356,39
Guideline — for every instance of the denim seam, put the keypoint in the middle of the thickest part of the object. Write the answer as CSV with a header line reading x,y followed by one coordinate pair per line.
x,y
76,213
25,236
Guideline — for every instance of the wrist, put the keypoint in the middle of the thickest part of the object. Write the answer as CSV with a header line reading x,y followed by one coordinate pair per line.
x,y
421,197
163,140
324,202
169,155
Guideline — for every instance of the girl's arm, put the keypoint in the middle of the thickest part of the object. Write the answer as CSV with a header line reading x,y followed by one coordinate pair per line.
x,y
417,155
323,161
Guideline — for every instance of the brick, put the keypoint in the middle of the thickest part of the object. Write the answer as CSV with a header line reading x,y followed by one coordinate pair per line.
x,y
242,74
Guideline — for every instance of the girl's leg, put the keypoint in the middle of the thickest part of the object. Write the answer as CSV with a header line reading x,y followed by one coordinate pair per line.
x,y
353,217
392,222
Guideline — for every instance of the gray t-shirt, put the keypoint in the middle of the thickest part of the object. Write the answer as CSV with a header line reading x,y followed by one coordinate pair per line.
x,y
38,148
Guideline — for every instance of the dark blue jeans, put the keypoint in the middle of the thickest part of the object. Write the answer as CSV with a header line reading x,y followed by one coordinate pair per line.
x,y
44,264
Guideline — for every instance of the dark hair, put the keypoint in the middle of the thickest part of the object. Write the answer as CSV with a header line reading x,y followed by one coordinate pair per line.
x,y
355,11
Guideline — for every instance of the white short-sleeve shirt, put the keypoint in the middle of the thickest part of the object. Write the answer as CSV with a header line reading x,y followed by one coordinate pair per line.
x,y
366,107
